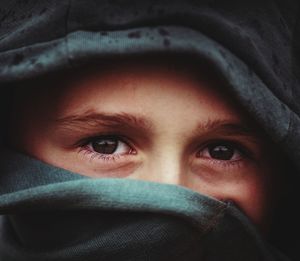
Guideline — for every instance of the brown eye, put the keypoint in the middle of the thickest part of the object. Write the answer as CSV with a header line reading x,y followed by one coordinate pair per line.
x,y
105,146
221,152
108,145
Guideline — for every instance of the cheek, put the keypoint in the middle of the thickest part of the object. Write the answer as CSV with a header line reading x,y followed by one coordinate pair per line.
x,y
251,192
252,196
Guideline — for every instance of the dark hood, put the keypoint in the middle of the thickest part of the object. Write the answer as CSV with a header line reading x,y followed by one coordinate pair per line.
x,y
253,45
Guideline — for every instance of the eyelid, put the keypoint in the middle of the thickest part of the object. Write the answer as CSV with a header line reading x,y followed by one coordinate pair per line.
x,y
243,149
208,164
225,164
120,158
120,144
85,141
106,159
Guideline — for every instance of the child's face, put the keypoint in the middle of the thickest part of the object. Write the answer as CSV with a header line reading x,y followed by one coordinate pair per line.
x,y
150,123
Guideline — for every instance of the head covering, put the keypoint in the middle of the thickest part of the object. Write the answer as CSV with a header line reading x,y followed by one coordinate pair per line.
x,y
53,214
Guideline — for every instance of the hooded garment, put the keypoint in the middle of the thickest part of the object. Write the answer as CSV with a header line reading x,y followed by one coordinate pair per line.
x,y
52,214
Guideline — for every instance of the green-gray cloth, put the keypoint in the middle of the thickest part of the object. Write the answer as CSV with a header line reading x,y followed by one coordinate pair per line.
x,y
51,214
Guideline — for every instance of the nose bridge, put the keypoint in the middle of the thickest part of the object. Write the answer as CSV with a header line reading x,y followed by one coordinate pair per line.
x,y
166,167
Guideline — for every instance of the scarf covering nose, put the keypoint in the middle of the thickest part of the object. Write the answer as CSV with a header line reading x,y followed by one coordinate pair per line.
x,y
58,215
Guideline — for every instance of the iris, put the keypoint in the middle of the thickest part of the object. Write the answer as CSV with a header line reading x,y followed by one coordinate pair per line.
x,y
221,152
105,146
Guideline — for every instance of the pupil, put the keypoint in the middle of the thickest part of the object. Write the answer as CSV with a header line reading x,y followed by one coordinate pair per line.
x,y
221,152
107,146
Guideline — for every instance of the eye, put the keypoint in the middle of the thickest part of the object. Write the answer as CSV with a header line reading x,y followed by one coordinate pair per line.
x,y
108,145
107,149
221,151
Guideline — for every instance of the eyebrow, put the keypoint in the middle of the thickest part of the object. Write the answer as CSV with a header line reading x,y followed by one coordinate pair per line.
x,y
229,127
92,120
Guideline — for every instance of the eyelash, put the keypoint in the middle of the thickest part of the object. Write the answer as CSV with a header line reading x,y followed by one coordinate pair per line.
x,y
85,148
224,164
245,153
105,157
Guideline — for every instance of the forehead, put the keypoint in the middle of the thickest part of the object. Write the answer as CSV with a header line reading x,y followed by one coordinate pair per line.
x,y
175,79
167,93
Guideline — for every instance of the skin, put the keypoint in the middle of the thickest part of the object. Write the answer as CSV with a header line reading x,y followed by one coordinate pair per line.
x,y
170,123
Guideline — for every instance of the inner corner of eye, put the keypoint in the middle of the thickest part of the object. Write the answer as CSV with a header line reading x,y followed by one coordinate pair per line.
x,y
133,152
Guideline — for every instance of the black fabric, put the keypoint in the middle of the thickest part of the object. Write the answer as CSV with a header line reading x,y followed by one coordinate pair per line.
x,y
52,214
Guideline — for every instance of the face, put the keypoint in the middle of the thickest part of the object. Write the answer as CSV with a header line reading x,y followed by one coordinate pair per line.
x,y
153,123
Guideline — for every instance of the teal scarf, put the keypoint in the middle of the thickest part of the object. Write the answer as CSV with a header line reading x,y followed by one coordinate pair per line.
x,y
53,214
